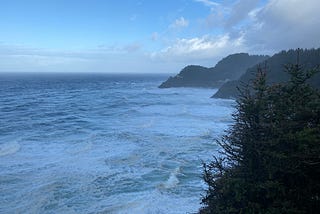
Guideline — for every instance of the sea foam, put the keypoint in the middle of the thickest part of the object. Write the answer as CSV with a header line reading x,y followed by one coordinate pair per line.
x,y
9,148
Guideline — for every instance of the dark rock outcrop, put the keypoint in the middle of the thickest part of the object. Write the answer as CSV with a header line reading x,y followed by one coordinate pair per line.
x,y
229,68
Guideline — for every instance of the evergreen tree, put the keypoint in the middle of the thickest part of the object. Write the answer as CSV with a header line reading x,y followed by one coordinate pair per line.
x,y
270,157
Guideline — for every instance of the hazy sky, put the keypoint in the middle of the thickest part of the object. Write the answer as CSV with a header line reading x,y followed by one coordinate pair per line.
x,y
148,35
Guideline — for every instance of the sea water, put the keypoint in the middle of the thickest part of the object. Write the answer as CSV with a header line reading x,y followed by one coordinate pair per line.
x,y
81,143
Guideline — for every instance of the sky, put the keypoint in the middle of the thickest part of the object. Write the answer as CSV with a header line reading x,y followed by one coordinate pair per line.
x,y
148,36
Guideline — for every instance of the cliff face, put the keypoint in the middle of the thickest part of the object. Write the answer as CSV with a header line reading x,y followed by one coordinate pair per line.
x,y
229,68
275,71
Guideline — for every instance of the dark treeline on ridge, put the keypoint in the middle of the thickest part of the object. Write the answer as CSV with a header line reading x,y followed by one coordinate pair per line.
x,y
269,160
229,68
235,69
308,58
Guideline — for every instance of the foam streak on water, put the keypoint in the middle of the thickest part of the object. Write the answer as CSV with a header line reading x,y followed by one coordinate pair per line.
x,y
104,144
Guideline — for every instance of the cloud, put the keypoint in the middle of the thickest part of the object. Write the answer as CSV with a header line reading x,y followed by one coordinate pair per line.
x,y
208,3
240,11
35,63
179,23
284,24
268,28
22,58
198,49
218,15
228,16
133,17
242,26
246,26
216,18
154,36
132,47
19,50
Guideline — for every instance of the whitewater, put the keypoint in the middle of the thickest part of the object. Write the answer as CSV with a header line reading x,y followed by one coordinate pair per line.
x,y
100,143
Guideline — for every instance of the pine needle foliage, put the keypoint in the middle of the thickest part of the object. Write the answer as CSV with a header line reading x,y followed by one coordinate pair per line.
x,y
270,156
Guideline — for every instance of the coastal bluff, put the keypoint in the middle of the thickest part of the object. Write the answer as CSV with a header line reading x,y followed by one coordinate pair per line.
x,y
274,67
228,69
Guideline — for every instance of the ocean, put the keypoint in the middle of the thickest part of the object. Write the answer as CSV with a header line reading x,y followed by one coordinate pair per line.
x,y
102,143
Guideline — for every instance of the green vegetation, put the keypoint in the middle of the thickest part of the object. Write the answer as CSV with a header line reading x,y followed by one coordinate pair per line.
x,y
309,58
270,157
229,68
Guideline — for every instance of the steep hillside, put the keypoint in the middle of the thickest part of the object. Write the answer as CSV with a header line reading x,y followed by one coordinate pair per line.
x,y
309,58
229,68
